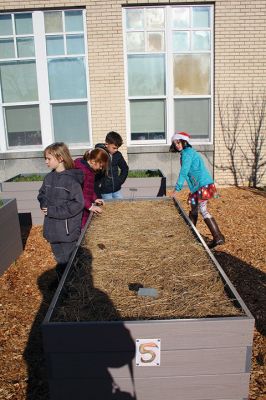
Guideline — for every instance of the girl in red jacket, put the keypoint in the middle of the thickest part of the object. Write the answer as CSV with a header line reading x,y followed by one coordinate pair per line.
x,y
92,161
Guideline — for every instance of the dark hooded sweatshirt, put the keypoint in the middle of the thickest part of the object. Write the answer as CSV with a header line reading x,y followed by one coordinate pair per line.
x,y
61,193
116,176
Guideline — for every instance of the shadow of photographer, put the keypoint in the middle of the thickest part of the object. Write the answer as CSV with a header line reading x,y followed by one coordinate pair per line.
x,y
78,368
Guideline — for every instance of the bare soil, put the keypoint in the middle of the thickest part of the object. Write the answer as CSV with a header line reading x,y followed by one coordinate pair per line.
x,y
25,293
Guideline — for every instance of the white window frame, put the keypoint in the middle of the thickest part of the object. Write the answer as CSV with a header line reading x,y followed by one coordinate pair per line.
x,y
169,91
44,102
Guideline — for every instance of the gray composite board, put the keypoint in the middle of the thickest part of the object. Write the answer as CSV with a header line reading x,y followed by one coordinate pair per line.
x,y
10,235
173,363
200,387
174,334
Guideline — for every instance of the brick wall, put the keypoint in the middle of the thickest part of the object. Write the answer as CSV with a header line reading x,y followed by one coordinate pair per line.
x,y
240,65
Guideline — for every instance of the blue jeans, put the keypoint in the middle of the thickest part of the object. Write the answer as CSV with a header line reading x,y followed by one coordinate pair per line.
x,y
115,195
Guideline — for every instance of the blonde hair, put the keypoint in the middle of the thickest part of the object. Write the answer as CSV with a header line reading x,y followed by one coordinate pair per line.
x,y
98,155
60,151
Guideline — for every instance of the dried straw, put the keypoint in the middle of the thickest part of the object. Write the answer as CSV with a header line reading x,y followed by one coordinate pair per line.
x,y
133,245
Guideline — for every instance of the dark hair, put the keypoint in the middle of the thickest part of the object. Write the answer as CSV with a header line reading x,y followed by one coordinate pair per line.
x,y
184,143
60,151
114,138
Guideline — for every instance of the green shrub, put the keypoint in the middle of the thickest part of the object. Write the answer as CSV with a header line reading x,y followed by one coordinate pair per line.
x,y
27,178
144,173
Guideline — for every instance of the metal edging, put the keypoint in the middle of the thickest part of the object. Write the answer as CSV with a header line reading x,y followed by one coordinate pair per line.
x,y
191,226
68,267
214,260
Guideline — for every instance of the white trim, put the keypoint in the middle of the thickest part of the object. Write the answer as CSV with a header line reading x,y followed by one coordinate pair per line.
x,y
42,77
169,54
40,59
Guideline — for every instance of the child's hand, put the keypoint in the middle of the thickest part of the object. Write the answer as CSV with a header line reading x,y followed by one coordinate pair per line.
x,y
99,202
96,209
44,210
173,193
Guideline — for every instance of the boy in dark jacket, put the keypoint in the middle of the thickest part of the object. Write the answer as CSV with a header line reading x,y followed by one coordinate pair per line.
x,y
109,186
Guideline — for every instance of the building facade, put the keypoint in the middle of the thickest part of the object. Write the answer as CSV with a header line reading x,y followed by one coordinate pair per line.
x,y
73,70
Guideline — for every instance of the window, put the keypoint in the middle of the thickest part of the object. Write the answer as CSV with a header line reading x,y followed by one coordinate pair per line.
x,y
168,62
43,79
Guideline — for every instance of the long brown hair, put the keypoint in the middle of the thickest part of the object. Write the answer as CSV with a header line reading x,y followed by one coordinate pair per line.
x,y
60,150
98,155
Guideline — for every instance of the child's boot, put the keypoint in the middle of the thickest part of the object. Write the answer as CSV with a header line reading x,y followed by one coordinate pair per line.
x,y
218,237
193,217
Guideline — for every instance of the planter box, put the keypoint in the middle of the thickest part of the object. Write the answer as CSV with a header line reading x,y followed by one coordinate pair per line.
x,y
146,186
26,195
200,358
10,234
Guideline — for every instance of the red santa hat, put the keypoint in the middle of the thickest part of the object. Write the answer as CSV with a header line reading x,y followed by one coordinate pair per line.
x,y
181,136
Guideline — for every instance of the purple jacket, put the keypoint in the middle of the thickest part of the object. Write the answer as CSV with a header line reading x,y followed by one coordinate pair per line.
x,y
88,187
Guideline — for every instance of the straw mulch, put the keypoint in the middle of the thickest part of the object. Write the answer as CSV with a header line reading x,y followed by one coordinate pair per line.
x,y
25,294
143,244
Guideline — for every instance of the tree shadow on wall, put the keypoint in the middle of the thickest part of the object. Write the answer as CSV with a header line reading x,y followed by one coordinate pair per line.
x,y
250,284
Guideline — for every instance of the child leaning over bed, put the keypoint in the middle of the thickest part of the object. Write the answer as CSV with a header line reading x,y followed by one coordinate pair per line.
x,y
93,161
199,181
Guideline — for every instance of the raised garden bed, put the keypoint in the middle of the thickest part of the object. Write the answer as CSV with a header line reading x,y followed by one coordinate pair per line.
x,y
144,183
92,330
25,188
10,234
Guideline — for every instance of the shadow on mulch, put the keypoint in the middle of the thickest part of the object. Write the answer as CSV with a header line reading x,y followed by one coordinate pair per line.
x,y
250,284
25,222
38,388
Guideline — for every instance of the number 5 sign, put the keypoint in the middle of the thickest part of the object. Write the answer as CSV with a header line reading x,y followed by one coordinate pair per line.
x,y
148,352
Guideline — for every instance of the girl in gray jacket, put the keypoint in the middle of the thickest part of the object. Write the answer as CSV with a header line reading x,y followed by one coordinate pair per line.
x,y
61,201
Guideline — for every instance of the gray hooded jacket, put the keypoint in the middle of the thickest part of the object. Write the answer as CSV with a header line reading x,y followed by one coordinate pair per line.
x,y
61,193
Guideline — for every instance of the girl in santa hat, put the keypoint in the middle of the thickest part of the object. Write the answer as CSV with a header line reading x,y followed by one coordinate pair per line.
x,y
200,183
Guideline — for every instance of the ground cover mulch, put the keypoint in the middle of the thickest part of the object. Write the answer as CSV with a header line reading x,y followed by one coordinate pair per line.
x,y
25,294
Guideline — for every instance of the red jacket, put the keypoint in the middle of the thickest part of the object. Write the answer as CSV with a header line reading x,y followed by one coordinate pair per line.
x,y
88,187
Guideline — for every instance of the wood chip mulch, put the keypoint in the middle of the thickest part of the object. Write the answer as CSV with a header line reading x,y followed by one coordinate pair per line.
x,y
26,292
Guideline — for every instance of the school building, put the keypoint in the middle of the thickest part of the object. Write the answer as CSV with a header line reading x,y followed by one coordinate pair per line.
x,y
74,70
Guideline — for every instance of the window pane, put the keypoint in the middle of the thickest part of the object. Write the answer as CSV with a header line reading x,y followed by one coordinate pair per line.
x,y
71,123
18,81
155,41
201,40
180,41
135,41
7,48
200,17
6,25
75,44
67,78
154,18
135,19
146,75
147,119
192,74
25,47
53,22
23,126
193,116
73,21
23,24
55,45
180,17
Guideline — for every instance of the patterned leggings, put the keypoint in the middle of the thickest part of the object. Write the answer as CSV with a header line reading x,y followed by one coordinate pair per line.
x,y
202,208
